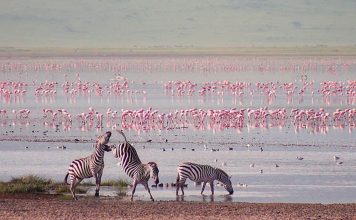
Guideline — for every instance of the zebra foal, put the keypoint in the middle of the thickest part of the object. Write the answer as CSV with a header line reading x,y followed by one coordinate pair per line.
x,y
133,167
202,173
90,166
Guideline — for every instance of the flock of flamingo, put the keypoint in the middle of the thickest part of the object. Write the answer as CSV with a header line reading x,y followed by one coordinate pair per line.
x,y
191,64
318,119
13,91
269,90
216,119
212,119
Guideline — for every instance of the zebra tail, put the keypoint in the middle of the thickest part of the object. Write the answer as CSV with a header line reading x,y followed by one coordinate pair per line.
x,y
65,179
177,181
122,133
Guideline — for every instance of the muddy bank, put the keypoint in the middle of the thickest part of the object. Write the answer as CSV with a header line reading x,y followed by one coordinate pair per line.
x,y
31,206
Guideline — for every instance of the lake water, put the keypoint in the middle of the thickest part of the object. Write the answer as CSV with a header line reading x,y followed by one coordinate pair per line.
x,y
29,143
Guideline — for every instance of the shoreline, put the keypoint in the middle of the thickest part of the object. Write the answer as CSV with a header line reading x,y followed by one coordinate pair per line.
x,y
12,52
43,206
25,139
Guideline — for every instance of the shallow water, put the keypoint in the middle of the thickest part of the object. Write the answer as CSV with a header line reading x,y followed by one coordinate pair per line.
x,y
30,145
317,178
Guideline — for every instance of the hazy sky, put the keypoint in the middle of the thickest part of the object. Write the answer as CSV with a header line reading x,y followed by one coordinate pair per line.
x,y
147,23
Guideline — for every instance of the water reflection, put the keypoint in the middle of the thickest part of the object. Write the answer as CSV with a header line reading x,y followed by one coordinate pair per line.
x,y
204,198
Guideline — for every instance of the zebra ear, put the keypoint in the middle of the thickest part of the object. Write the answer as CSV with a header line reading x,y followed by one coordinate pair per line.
x,y
152,164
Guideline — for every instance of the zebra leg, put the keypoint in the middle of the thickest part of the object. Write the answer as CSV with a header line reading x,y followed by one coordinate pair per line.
x,y
202,189
148,189
182,186
72,188
177,184
212,187
98,182
133,189
180,183
73,184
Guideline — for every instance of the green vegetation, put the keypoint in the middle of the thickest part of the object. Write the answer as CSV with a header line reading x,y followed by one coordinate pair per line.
x,y
121,186
66,197
87,183
117,183
26,184
35,184
59,188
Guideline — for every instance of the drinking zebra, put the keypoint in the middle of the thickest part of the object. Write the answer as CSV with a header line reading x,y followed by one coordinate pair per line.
x,y
202,173
131,163
90,166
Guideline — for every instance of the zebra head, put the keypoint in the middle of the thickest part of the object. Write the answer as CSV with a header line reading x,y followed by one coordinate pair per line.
x,y
103,140
225,180
115,151
154,172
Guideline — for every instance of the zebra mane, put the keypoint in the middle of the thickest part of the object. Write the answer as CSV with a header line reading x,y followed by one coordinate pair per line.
x,y
222,172
130,150
134,152
97,141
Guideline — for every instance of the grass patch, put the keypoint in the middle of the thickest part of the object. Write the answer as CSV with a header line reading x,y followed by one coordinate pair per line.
x,y
87,183
26,184
122,193
66,197
117,183
60,188
35,184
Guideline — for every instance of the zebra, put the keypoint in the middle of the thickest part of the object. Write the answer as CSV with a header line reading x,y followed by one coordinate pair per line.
x,y
90,166
202,173
133,167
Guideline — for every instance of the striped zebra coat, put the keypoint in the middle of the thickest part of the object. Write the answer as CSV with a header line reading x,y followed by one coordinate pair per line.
x,y
133,167
202,173
90,166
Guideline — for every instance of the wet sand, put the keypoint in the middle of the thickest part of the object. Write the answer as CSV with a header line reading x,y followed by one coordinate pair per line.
x,y
39,206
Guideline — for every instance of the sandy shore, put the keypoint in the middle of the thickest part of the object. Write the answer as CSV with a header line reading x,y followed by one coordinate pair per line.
x,y
32,206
